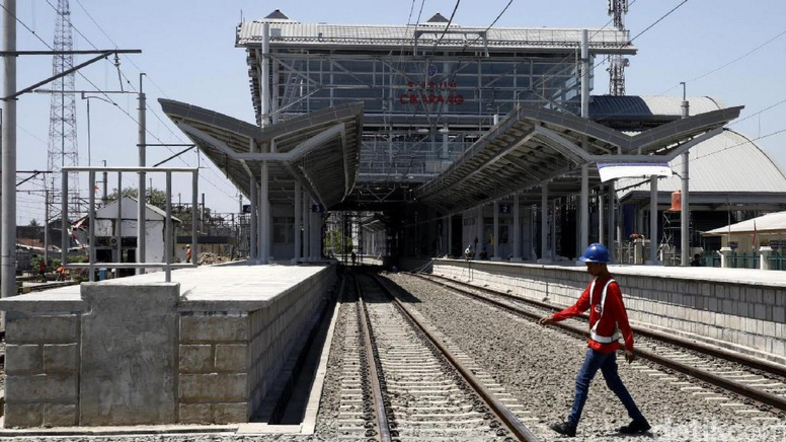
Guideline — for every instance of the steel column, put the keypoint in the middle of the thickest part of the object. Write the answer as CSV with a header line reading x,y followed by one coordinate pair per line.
x,y
584,207
142,199
264,215
653,220
601,217
91,228
516,229
544,223
495,243
168,243
118,221
194,235
253,222
296,226
612,220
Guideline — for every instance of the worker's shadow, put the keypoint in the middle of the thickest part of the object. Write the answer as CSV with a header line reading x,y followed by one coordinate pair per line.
x,y
614,434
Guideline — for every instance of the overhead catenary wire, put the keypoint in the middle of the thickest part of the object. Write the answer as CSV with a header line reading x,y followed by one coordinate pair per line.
x,y
107,96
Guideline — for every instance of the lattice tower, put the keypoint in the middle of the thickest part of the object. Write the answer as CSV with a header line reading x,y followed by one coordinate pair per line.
x,y
618,63
63,149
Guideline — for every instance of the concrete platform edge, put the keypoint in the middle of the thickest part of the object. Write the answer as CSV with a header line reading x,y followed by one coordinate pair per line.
x,y
312,408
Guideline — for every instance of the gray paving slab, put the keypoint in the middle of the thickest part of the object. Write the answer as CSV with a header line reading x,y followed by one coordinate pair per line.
x,y
237,287
705,274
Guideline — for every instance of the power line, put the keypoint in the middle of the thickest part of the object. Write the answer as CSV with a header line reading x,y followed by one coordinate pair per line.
x,y
759,112
106,95
739,58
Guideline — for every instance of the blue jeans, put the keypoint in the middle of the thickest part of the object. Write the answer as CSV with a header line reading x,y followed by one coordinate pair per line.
x,y
607,363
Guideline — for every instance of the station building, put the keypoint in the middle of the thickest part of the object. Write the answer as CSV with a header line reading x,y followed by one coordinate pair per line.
x,y
451,135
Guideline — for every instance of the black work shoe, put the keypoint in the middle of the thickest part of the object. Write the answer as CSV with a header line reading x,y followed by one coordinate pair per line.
x,y
564,429
635,427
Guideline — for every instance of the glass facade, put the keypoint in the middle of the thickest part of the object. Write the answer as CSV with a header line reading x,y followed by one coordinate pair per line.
x,y
421,113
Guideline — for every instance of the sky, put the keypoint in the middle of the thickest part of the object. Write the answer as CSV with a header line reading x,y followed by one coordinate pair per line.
x,y
720,48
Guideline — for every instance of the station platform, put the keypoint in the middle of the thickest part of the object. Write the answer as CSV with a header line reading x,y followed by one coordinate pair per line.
x,y
739,309
201,349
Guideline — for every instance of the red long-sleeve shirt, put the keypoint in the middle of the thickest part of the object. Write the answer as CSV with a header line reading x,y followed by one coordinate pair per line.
x,y
614,314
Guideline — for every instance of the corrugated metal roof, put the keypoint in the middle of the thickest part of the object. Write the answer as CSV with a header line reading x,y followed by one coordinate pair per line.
x,y
729,162
769,223
300,34
636,107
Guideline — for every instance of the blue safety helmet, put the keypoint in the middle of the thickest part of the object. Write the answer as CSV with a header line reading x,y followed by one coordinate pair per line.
x,y
596,253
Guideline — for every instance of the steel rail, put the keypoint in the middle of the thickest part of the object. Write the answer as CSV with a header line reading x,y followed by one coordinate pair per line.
x,y
371,361
748,361
502,412
736,387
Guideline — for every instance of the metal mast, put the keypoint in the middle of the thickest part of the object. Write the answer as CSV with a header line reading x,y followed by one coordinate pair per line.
x,y
617,9
63,150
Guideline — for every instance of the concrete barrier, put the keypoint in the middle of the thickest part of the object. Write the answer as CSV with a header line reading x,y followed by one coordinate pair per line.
x,y
738,309
202,349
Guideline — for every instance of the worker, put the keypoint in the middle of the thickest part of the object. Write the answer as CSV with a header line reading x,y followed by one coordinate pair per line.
x,y
42,269
61,273
188,253
608,322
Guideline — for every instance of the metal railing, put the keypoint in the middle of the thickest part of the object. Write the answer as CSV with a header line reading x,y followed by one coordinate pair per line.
x,y
167,265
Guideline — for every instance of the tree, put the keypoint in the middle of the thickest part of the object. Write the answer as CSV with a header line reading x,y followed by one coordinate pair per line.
x,y
34,223
334,241
155,197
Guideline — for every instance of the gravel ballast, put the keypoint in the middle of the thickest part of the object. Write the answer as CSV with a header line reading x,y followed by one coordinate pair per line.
x,y
539,365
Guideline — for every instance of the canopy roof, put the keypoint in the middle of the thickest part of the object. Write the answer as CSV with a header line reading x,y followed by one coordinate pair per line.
x,y
726,170
319,150
769,223
531,147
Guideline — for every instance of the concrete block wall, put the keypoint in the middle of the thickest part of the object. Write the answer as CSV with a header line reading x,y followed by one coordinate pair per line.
x,y
276,329
42,370
213,367
743,317
140,353
229,359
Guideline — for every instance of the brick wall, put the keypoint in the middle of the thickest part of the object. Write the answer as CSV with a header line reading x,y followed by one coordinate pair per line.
x,y
42,370
744,317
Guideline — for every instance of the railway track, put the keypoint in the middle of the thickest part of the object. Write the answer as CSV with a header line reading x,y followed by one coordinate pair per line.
x,y
760,383
47,286
402,381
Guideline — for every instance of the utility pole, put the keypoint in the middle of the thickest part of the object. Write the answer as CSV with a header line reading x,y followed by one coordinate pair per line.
x,y
685,210
46,224
8,157
105,199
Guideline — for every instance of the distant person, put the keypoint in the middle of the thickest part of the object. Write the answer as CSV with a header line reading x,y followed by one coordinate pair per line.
x,y
188,253
608,323
61,273
354,259
468,253
696,261
42,270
